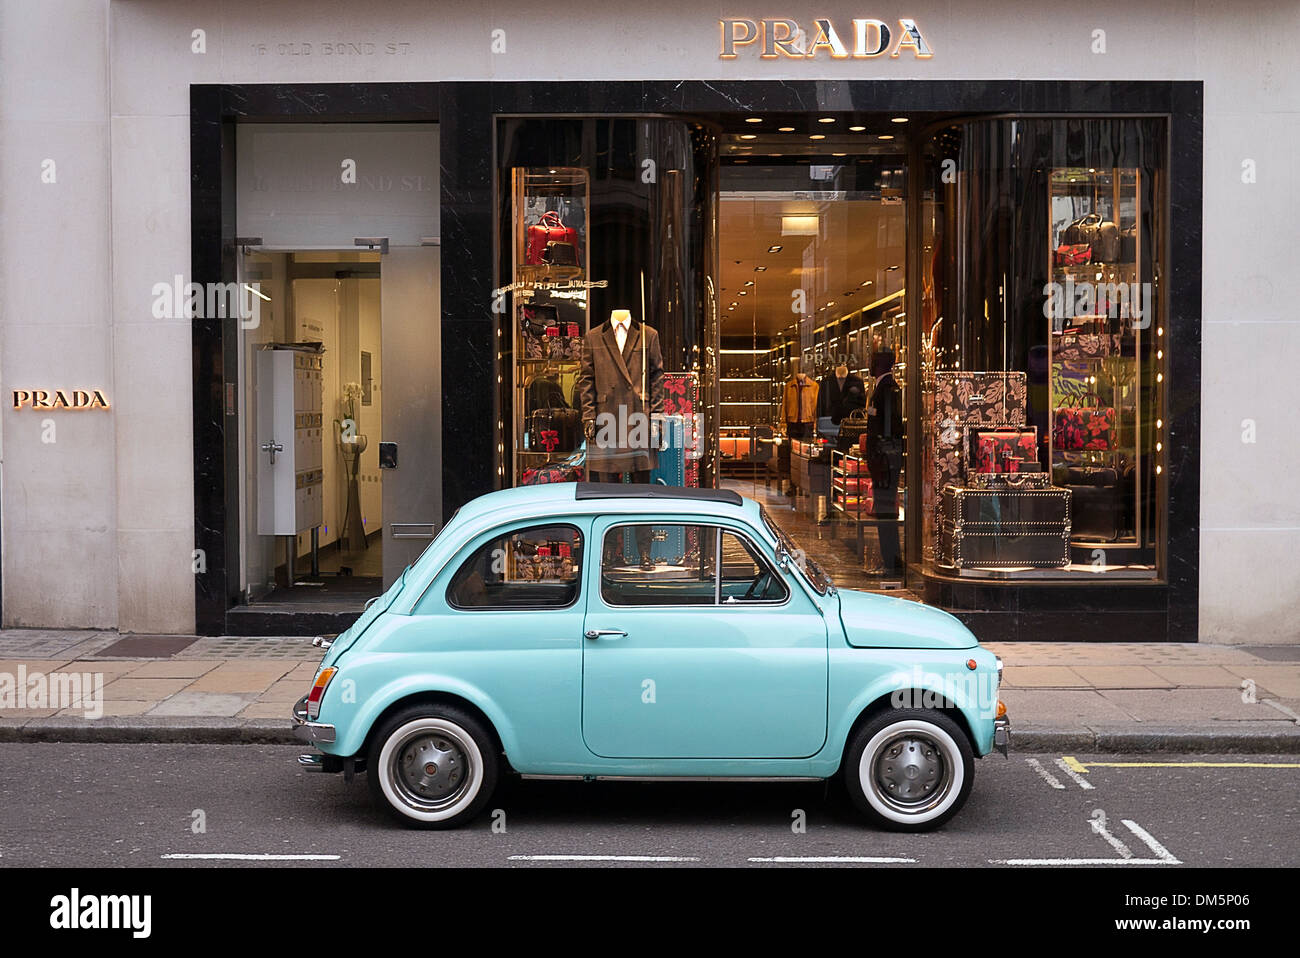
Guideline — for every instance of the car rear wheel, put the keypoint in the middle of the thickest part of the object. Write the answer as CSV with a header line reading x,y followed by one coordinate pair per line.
x,y
432,766
909,770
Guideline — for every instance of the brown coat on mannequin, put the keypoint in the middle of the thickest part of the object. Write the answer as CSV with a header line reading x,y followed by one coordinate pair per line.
x,y
800,404
618,389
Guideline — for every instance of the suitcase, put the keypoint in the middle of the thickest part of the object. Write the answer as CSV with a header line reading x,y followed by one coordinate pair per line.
x,y
974,399
670,468
1005,528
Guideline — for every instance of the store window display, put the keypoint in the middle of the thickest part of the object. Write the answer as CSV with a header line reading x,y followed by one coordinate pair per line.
x,y
1044,353
799,407
621,385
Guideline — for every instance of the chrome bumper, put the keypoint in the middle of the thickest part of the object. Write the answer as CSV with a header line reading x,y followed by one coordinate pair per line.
x,y
310,731
1002,735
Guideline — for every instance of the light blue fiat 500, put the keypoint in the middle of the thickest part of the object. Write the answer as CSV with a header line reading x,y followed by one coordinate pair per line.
x,y
603,631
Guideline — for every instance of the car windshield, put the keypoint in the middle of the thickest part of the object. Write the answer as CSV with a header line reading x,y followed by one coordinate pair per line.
x,y
816,577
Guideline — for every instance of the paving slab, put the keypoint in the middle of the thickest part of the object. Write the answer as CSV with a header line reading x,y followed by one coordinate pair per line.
x,y
1041,676
1061,707
1121,677
201,704
1172,706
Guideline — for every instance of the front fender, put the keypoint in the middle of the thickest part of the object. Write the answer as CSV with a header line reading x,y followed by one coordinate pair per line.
x,y
353,721
926,680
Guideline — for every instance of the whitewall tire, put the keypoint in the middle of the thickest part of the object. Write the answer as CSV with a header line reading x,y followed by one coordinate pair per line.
x,y
432,766
909,769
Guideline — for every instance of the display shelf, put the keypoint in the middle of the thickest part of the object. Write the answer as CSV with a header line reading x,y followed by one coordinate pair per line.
x,y
548,309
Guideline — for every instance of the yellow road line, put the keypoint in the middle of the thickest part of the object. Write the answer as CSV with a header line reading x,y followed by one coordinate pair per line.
x,y
1078,766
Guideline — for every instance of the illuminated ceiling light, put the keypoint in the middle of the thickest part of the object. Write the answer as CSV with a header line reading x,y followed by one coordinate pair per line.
x,y
885,136
753,119
734,304
817,136
890,269
857,129
761,269
749,136
830,304
839,154
827,119
866,283
898,119
749,282
775,249
743,292
799,225
785,129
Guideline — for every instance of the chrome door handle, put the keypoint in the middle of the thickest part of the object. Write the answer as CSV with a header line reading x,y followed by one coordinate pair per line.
x,y
272,447
597,633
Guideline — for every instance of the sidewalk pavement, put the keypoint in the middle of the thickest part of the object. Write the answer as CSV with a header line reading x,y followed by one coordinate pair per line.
x,y
1085,697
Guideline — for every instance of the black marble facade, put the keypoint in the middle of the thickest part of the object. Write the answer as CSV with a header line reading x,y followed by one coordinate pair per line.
x,y
467,113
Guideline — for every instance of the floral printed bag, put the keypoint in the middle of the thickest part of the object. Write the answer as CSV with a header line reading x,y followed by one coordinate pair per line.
x,y
1082,426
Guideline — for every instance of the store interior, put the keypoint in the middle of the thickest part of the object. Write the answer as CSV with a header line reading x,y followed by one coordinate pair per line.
x,y
813,272
323,306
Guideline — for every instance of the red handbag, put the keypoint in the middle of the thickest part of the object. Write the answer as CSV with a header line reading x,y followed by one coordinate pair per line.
x,y
1073,254
1083,427
549,229
1002,450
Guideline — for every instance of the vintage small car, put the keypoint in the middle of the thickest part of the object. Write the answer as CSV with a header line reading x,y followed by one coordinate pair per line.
x,y
605,631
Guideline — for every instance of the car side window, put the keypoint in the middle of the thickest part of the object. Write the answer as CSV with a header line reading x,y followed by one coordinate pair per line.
x,y
744,576
677,564
535,568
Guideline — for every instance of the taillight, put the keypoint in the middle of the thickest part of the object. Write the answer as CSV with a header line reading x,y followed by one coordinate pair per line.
x,y
318,693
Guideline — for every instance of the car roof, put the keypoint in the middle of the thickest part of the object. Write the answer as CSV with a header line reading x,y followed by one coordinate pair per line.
x,y
599,498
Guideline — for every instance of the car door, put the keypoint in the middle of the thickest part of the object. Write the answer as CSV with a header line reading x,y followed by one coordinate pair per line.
x,y
708,652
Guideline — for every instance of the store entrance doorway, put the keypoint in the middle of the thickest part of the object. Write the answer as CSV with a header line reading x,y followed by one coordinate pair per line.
x,y
339,422
814,365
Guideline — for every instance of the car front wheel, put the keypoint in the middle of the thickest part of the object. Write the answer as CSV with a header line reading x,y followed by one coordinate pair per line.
x,y
909,770
432,766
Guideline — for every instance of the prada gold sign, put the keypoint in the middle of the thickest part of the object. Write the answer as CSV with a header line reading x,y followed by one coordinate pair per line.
x,y
60,399
774,39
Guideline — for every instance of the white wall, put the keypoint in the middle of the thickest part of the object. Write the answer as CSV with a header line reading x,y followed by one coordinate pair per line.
x,y
121,490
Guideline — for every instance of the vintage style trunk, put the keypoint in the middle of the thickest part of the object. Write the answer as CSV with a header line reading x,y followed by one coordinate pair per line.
x,y
1005,527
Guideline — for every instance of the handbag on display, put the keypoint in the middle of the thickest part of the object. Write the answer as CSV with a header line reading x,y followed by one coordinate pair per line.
x,y
1075,345
1073,254
1096,507
545,393
570,469
554,429
1102,236
853,430
1083,427
1004,449
534,321
548,230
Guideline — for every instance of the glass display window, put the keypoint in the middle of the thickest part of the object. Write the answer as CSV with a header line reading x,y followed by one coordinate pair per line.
x,y
1042,349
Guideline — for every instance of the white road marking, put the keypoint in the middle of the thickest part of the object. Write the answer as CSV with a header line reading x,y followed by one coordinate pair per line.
x,y
239,857
1111,840
602,858
1151,843
833,859
1164,855
1075,776
1047,776
1083,861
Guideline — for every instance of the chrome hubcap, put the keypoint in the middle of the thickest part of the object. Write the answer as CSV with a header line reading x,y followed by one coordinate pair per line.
x,y
910,772
431,769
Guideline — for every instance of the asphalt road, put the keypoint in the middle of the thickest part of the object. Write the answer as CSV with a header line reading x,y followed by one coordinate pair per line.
x,y
136,805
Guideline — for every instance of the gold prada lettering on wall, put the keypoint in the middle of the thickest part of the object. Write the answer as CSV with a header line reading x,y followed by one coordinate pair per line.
x,y
74,399
778,38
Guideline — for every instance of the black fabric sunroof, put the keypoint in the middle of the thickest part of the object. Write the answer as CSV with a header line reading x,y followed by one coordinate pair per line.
x,y
633,490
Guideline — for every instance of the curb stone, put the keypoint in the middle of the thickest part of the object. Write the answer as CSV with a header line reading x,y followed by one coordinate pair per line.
x,y
1242,737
